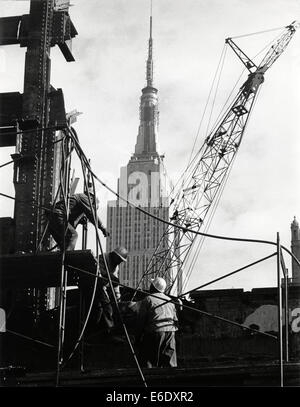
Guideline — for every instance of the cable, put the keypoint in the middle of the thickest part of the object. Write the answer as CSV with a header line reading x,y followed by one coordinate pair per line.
x,y
208,98
222,277
221,62
57,128
182,227
186,306
220,191
201,242
97,271
64,183
116,302
216,91
9,162
258,32
235,85
30,339
60,188
28,203
173,224
228,274
185,229
81,155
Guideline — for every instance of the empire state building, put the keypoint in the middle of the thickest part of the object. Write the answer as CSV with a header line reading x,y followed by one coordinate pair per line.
x,y
143,182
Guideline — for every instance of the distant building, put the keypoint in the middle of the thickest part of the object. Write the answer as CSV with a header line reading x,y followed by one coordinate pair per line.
x,y
143,182
295,246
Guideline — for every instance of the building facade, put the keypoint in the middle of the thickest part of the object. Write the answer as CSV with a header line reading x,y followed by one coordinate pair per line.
x,y
295,246
142,182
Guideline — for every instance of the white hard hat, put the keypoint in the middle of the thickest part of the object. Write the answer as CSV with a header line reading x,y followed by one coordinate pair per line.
x,y
159,283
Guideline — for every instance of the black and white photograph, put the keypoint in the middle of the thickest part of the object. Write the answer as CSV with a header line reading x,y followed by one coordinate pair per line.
x,y
149,200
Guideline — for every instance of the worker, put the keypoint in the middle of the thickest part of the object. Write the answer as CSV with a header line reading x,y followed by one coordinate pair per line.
x,y
79,208
156,325
103,315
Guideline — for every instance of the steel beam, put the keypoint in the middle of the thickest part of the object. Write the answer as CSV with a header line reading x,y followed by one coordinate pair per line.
x,y
10,108
34,187
16,30
9,30
10,113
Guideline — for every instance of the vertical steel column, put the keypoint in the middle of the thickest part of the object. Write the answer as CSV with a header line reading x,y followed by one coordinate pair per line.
x,y
280,348
286,302
34,176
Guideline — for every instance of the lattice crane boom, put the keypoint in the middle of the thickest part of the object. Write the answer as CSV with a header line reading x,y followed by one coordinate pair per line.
x,y
207,173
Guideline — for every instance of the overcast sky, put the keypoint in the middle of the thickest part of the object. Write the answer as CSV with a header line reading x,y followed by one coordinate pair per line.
x,y
262,194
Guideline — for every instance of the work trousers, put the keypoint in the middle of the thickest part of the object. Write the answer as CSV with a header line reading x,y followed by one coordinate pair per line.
x,y
102,315
57,230
158,349
103,310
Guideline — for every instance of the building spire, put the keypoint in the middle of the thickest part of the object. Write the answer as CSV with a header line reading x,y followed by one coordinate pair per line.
x,y
149,73
295,246
146,146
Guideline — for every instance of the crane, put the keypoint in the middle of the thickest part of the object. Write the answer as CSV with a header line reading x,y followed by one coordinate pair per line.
x,y
206,174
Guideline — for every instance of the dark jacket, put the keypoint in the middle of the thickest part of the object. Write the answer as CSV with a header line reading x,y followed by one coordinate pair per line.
x,y
79,205
114,275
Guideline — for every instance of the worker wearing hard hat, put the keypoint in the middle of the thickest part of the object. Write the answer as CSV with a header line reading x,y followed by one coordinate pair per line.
x,y
156,326
64,230
103,307
113,260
